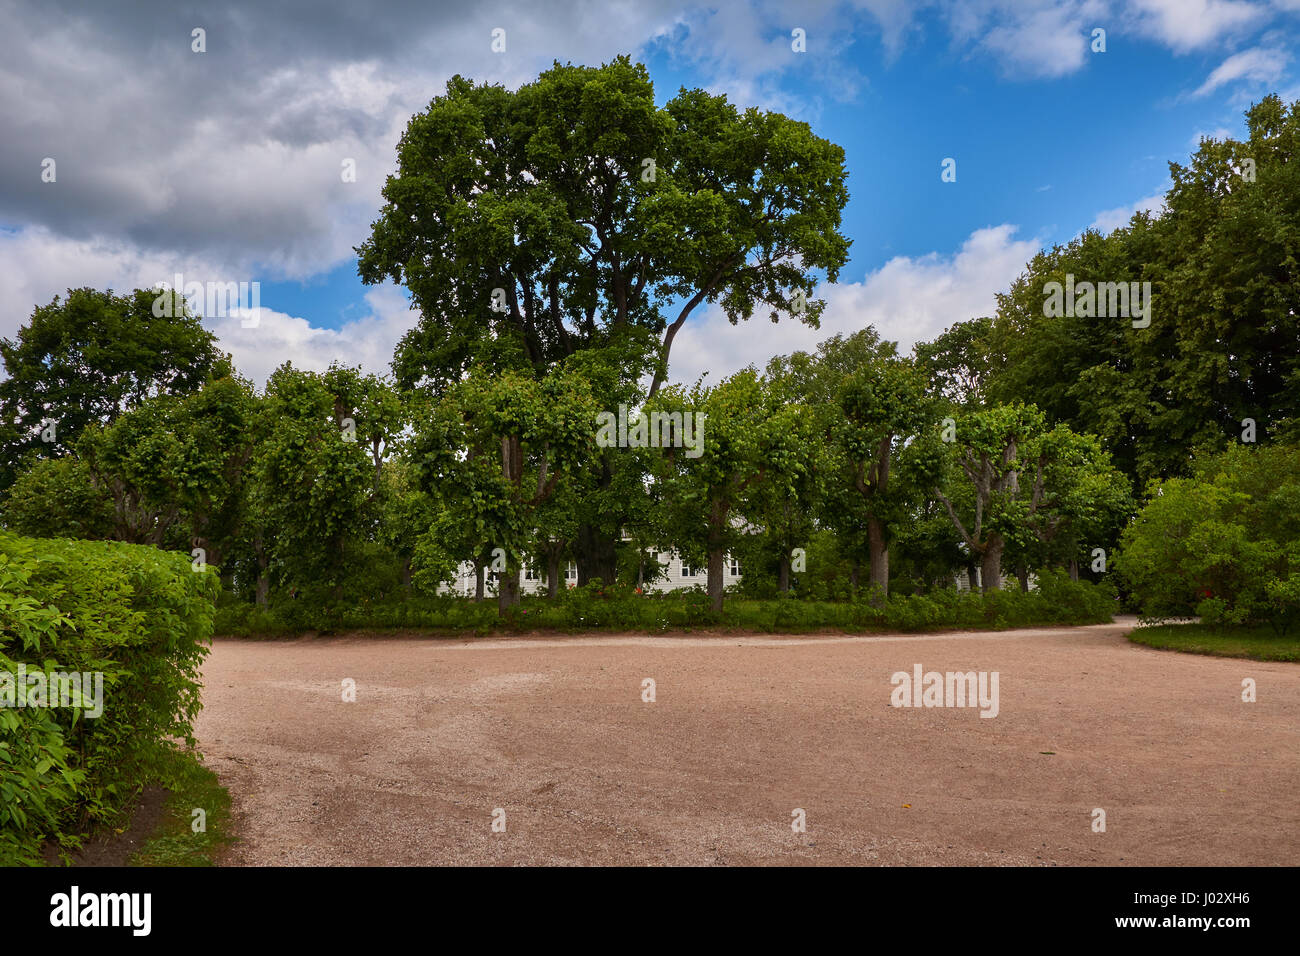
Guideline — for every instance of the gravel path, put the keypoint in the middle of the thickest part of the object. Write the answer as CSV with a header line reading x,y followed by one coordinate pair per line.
x,y
744,730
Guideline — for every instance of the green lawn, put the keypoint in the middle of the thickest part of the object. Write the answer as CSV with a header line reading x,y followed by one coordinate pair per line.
x,y
1256,643
191,786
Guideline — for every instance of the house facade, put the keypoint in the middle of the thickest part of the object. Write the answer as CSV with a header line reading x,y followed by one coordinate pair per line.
x,y
680,575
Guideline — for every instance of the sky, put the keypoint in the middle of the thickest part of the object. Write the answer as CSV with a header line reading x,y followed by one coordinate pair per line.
x,y
225,165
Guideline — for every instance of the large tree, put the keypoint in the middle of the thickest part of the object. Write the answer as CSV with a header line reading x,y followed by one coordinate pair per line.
x,y
562,216
739,434
869,404
783,507
89,358
590,208
174,467
314,496
988,446
1223,340
494,449
881,411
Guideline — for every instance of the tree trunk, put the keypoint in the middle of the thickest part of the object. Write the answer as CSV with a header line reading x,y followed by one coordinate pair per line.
x,y
718,511
715,578
478,582
783,574
553,573
879,555
971,575
406,576
991,564
597,551
1074,569
597,556
508,587
1022,574
263,578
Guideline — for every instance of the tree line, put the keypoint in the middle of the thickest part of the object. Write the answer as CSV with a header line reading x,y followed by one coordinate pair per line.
x,y
554,240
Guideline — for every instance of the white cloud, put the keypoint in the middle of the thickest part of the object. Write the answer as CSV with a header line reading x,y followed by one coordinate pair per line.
x,y
1050,38
745,51
1185,25
895,20
1050,41
368,341
1111,219
907,299
1259,65
40,265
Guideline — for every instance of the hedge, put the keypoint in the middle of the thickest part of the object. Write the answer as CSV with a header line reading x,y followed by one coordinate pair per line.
x,y
140,617
1058,600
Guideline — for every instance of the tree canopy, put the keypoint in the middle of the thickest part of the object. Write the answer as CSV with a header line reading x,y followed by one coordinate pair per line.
x,y
565,212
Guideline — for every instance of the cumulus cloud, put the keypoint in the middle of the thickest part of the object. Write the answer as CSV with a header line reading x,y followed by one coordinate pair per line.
x,y
41,265
276,338
235,153
1049,38
908,300
1043,39
227,163
1186,25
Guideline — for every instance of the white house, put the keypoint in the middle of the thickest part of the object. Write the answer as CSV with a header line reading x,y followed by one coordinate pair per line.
x,y
532,577
964,583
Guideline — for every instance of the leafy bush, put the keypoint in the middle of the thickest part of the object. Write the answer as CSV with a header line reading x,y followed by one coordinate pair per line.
x,y
56,498
598,607
138,616
1223,544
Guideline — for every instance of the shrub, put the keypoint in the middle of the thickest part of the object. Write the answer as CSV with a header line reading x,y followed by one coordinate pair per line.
x,y
597,607
1223,544
138,616
56,498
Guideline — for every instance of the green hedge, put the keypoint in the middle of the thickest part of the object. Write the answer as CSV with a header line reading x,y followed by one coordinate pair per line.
x,y
1057,600
140,617
1223,544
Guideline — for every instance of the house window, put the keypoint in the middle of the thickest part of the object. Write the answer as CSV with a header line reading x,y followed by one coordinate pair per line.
x,y
571,572
531,573
687,570
735,568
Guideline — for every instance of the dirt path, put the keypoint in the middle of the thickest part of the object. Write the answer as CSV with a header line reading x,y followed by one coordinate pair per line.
x,y
743,731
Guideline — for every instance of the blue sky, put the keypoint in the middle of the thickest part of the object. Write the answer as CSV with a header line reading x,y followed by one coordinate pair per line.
x,y
1049,137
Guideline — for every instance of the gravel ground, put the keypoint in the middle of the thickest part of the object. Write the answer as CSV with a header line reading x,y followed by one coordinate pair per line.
x,y
743,731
